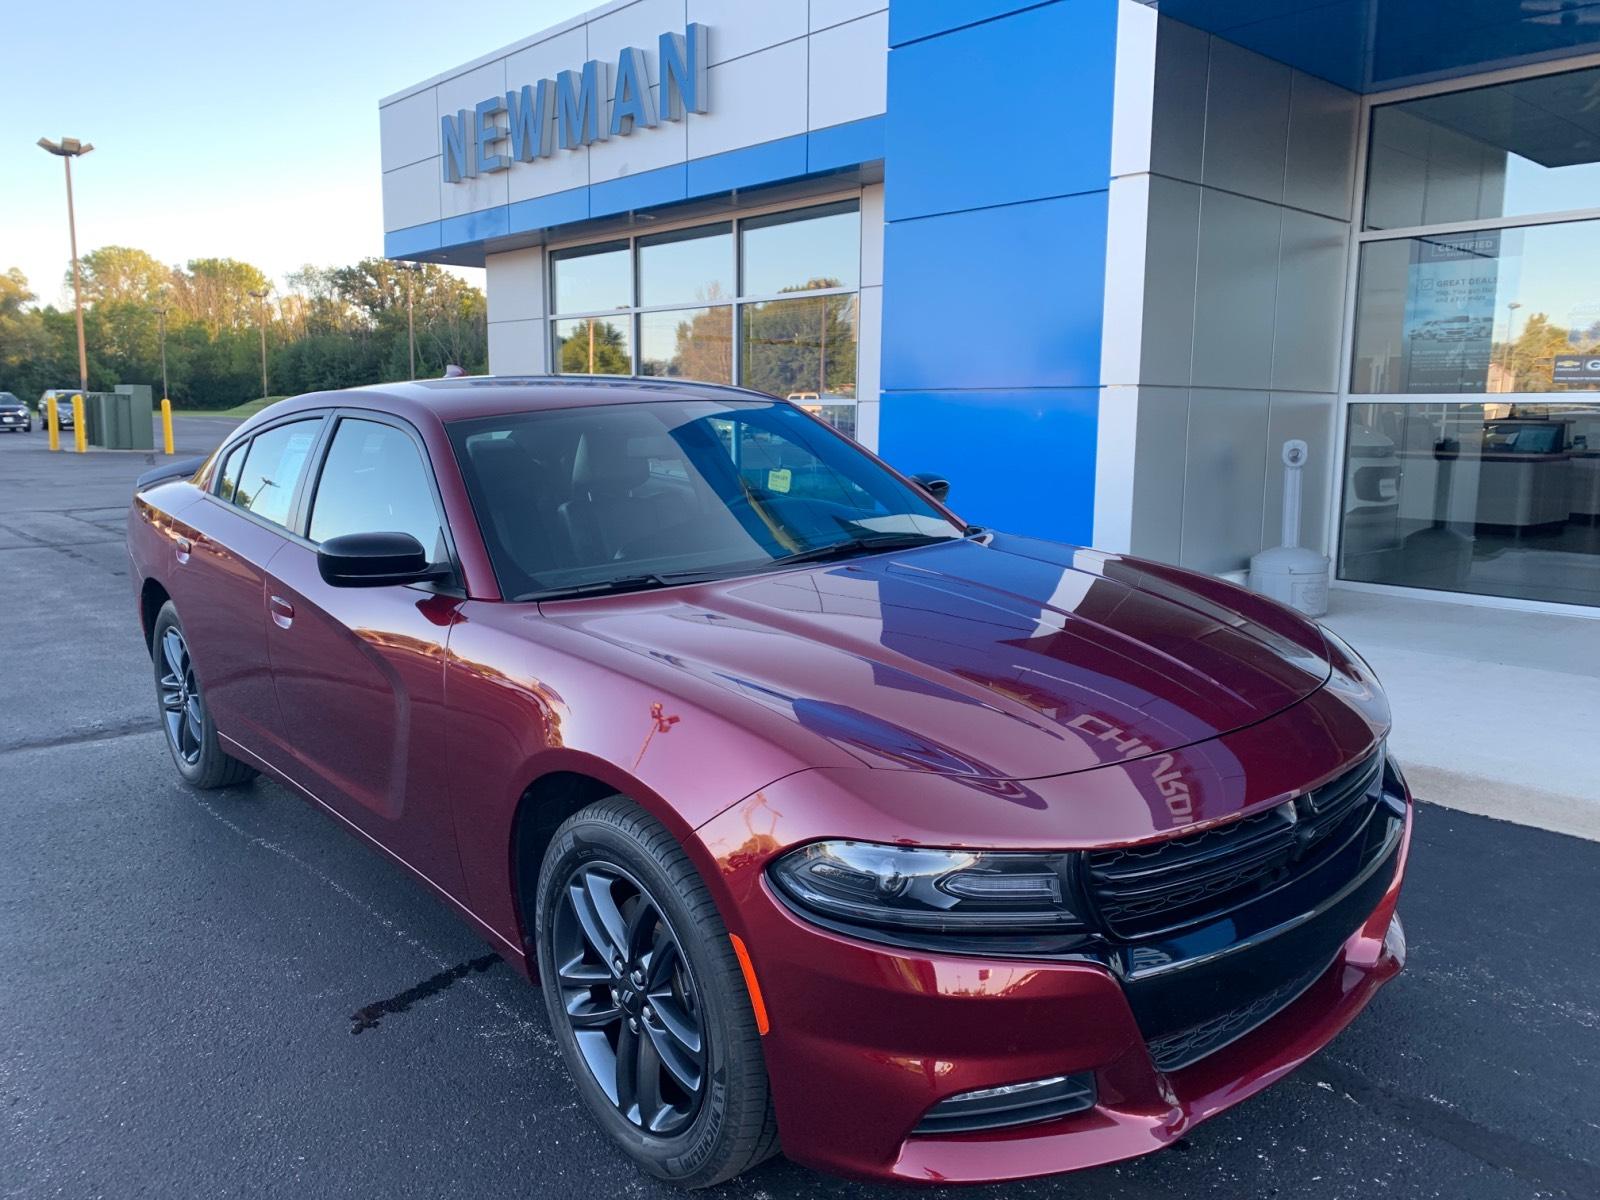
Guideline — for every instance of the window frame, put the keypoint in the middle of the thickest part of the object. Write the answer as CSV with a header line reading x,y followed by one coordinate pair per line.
x,y
1346,398
838,201
291,529
453,585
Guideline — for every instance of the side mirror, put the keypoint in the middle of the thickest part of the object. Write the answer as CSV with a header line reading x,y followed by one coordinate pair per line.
x,y
375,560
936,486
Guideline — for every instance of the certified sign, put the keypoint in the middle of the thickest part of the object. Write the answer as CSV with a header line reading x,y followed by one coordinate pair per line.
x,y
1575,368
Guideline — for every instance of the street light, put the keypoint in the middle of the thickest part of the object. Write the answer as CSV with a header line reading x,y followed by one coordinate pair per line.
x,y
68,149
411,270
262,297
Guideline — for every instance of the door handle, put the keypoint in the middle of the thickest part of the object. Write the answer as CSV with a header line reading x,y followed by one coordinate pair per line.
x,y
184,547
282,611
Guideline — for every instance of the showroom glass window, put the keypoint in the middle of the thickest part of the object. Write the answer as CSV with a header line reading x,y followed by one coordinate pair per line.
x,y
1472,442
769,302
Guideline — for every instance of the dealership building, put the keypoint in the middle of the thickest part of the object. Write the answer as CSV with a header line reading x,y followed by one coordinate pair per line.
x,y
1094,260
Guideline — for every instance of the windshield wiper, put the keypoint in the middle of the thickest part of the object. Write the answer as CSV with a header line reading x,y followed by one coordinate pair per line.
x,y
851,547
625,583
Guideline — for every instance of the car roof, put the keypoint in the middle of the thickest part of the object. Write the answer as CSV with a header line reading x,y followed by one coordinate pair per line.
x,y
470,396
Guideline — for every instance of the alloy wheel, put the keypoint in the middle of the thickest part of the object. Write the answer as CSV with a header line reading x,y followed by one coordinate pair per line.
x,y
630,998
181,709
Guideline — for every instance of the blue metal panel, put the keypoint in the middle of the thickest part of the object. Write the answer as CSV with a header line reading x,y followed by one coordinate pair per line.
x,y
847,145
1021,461
997,297
1373,45
750,166
1040,126
647,189
474,226
546,212
912,20
414,239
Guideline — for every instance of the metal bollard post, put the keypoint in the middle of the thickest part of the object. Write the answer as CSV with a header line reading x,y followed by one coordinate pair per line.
x,y
166,425
80,435
52,422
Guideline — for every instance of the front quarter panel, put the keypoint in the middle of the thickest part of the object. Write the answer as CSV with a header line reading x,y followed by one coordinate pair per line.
x,y
527,697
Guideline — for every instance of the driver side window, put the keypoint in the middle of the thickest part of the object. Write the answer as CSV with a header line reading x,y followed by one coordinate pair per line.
x,y
374,481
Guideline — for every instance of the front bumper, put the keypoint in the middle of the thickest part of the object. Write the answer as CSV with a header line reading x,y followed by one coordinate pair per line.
x,y
865,1039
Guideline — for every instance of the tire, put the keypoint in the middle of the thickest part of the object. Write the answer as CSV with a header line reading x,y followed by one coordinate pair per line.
x,y
615,850
191,737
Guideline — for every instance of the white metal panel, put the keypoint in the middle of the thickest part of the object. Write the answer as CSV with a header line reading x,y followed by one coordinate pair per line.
x,y
872,235
869,345
1116,427
1177,135
642,150
753,99
1235,290
517,348
411,195
1160,473
1322,146
1224,479
638,24
740,27
408,130
463,92
849,71
1310,302
515,284
1171,264
1128,228
835,12
565,169
1247,123
1133,96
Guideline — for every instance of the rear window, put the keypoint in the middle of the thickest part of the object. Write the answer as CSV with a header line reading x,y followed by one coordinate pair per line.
x,y
272,468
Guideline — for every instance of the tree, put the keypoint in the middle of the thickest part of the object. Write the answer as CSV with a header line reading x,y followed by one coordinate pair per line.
x,y
216,292
121,275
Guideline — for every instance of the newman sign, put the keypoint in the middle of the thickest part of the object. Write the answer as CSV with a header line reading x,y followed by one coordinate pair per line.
x,y
570,111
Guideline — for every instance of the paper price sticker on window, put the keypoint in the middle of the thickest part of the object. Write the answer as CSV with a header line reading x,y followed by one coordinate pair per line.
x,y
778,480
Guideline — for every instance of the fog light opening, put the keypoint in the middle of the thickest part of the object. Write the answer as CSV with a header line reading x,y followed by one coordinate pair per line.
x,y
1008,1105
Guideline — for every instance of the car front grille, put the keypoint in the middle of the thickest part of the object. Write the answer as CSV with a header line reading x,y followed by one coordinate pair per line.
x,y
1178,1049
1157,887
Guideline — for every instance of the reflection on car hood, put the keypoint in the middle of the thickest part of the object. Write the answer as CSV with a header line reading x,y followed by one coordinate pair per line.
x,y
1006,658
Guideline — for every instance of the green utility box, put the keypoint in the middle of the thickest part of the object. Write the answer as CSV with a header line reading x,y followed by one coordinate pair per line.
x,y
119,420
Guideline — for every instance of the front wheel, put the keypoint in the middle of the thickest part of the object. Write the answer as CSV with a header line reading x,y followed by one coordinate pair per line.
x,y
647,1001
191,737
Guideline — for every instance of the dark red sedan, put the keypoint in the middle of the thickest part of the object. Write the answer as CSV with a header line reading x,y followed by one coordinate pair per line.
x,y
826,820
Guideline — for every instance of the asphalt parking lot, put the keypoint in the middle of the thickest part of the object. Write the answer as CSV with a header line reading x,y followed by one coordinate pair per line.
x,y
226,995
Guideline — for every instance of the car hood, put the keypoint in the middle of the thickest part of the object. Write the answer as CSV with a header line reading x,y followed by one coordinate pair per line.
x,y
998,658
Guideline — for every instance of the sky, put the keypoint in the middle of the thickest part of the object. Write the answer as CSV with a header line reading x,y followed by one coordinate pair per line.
x,y
243,130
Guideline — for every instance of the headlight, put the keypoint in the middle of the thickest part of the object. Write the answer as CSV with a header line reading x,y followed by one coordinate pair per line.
x,y
925,891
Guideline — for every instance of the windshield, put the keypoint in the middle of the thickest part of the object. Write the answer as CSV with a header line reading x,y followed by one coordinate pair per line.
x,y
573,500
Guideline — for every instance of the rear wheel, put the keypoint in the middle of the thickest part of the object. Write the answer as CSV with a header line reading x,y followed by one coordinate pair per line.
x,y
647,1001
191,737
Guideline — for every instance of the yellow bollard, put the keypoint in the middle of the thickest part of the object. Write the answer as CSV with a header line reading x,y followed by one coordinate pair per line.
x,y
53,423
166,425
80,435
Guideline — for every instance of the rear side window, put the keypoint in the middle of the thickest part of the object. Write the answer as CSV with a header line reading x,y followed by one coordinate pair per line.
x,y
374,481
272,469
228,477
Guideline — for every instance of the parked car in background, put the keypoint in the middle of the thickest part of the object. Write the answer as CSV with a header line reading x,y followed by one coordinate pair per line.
x,y
14,415
63,398
936,853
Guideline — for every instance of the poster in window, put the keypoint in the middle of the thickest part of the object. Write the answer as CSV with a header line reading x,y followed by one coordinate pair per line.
x,y
1450,304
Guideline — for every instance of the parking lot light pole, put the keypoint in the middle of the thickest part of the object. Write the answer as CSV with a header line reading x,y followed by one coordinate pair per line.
x,y
261,297
68,149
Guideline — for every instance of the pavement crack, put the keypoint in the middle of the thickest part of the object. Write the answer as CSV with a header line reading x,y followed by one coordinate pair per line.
x,y
370,1016
93,733
1546,1168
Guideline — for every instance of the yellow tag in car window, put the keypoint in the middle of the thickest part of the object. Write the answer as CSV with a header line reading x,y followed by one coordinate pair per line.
x,y
778,480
